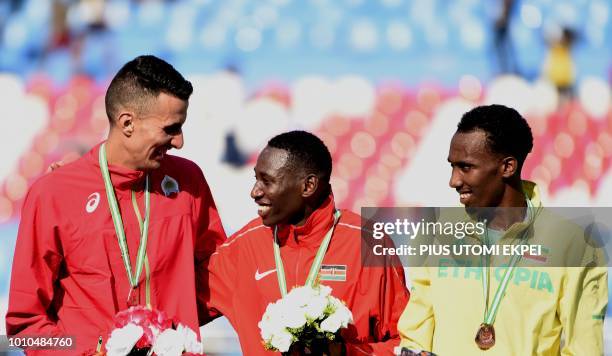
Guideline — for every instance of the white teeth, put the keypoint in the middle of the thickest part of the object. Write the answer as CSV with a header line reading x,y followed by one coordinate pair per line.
x,y
263,209
464,195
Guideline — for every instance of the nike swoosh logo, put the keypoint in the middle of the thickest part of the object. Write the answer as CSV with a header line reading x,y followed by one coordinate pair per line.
x,y
259,276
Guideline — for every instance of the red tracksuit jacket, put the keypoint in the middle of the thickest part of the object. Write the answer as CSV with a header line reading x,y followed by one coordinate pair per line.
x,y
243,280
68,277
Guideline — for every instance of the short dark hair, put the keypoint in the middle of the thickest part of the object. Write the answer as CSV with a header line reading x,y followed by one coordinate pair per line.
x,y
143,78
306,153
507,131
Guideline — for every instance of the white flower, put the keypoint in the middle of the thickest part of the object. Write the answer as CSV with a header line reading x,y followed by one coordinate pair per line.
x,y
272,321
291,316
315,307
324,290
270,324
168,343
266,331
282,340
340,318
122,340
332,323
299,296
346,315
287,319
155,331
190,339
272,309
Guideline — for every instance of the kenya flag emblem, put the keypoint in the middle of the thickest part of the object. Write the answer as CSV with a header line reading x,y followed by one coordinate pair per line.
x,y
332,273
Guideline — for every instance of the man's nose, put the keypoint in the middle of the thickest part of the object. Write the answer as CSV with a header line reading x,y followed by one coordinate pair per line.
x,y
256,191
455,180
177,141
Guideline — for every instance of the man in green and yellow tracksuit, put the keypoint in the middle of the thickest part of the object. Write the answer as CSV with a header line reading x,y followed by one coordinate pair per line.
x,y
549,304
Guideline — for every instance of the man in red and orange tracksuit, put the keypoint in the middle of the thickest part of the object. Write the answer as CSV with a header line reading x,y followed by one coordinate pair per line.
x,y
293,191
68,277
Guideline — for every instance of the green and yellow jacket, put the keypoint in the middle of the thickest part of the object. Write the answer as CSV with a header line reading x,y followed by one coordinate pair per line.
x,y
546,309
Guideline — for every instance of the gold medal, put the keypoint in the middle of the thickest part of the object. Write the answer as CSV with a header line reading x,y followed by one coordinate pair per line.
x,y
485,338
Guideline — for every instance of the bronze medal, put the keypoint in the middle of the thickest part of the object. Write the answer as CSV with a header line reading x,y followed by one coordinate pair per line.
x,y
485,338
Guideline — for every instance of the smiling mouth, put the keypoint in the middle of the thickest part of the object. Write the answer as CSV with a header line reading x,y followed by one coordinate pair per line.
x,y
263,210
159,153
464,196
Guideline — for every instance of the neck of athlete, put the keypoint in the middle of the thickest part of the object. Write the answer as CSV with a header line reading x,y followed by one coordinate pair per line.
x,y
117,153
512,207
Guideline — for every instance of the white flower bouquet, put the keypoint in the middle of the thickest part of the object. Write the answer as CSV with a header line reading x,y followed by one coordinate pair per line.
x,y
142,331
307,317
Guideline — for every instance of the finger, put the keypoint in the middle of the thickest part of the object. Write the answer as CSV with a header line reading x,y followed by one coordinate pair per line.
x,y
55,165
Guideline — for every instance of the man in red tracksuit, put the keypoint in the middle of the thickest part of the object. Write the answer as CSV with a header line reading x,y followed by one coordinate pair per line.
x,y
293,191
69,278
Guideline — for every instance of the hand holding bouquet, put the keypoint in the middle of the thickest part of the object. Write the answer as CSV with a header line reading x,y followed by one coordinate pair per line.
x,y
307,317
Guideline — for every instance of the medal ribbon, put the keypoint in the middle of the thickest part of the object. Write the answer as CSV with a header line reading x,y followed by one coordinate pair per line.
x,y
146,260
490,313
116,215
316,264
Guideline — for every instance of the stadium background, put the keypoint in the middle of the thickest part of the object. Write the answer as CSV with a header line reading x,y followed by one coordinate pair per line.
x,y
383,82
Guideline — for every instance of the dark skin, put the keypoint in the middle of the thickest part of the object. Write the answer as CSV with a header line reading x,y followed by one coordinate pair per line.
x,y
484,178
286,195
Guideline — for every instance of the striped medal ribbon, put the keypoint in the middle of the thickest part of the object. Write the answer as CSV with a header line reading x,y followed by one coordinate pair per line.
x,y
316,264
485,337
118,223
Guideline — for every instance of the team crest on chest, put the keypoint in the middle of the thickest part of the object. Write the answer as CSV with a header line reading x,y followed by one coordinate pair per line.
x,y
169,185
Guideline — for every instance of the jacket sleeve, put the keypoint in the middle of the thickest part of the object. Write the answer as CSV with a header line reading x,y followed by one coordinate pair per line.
x,y
209,235
210,232
416,325
216,300
388,301
36,266
582,305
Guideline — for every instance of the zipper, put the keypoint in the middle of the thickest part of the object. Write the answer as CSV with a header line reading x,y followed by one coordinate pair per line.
x,y
297,264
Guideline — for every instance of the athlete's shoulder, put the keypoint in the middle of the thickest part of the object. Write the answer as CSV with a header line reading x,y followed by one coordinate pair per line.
x,y
253,227
177,162
181,169
253,230
68,176
350,221
553,226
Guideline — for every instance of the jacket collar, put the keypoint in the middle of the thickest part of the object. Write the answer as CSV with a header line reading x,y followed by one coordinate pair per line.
x,y
313,231
532,194
122,178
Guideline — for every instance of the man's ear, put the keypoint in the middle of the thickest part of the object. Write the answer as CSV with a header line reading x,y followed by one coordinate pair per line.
x,y
125,123
509,167
310,185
